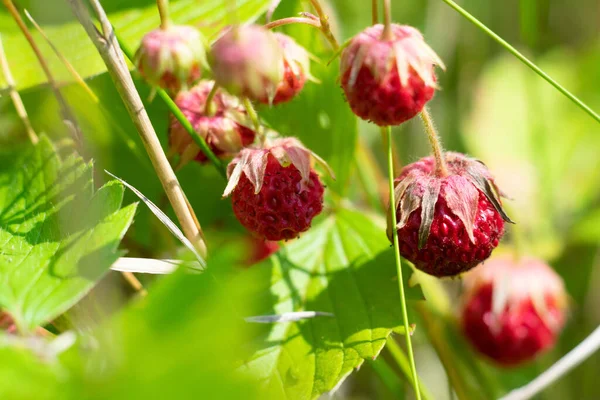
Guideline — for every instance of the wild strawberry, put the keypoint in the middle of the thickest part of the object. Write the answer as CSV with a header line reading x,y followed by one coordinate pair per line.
x,y
274,190
513,310
260,250
296,65
447,224
225,130
248,61
171,58
388,81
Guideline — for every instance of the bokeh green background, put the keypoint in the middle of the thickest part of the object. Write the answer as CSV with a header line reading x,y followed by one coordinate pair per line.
x,y
540,146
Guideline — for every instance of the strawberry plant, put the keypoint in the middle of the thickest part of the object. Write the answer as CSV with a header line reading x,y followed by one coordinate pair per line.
x,y
251,199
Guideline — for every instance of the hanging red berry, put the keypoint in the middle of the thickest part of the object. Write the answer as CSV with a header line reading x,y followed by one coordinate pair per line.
x,y
447,224
388,80
512,311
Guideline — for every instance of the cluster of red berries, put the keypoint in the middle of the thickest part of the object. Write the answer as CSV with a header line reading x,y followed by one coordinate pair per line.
x,y
448,208
275,191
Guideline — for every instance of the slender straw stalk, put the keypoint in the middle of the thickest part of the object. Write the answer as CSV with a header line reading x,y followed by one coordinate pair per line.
x,y
15,97
109,49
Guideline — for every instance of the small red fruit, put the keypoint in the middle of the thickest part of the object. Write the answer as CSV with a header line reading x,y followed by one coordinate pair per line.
x,y
260,250
388,81
513,310
447,224
274,190
248,61
171,58
296,68
226,130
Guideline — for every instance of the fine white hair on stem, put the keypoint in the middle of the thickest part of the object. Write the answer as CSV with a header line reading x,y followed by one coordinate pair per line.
x,y
580,353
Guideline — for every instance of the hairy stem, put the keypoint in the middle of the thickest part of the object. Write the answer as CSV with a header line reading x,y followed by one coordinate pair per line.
x,y
65,111
109,49
374,11
252,114
434,141
209,108
163,10
325,27
523,59
399,263
387,17
293,20
15,97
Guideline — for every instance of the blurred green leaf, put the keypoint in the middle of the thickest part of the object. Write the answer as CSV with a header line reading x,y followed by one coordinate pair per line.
x,y
342,266
131,23
540,148
59,237
25,376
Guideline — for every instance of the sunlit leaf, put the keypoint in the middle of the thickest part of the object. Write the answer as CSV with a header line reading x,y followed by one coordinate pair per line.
x,y
58,235
342,266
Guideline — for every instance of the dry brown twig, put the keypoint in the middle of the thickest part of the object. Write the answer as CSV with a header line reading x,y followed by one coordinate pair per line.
x,y
108,47
15,97
65,110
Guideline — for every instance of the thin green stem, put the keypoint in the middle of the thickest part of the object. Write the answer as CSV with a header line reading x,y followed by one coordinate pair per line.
x,y
404,365
209,108
252,114
523,59
181,118
163,11
399,263
434,141
325,27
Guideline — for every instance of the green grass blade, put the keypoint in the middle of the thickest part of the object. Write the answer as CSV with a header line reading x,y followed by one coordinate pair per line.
x,y
523,59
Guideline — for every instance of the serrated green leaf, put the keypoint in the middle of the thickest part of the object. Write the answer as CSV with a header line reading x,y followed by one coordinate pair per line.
x,y
58,237
342,266
131,24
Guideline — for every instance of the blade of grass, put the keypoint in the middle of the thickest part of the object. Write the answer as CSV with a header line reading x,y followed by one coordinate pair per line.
x,y
523,59
400,358
389,378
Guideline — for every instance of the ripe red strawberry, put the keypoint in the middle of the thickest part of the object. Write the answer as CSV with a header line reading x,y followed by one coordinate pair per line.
x,y
296,64
513,310
248,61
226,130
274,190
171,58
388,81
447,224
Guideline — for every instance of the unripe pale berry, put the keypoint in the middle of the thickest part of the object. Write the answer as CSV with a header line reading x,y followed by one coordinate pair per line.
x,y
388,81
296,69
248,61
226,128
447,224
171,58
274,190
512,311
